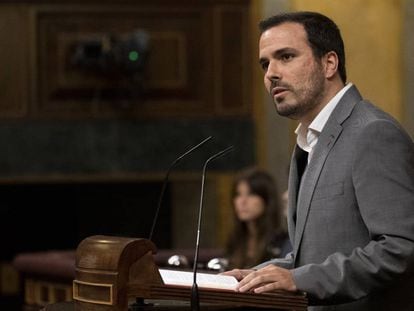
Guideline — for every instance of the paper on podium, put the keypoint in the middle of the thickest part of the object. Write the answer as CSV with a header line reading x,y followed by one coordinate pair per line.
x,y
184,278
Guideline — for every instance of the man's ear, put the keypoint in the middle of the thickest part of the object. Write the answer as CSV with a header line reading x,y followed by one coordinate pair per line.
x,y
331,63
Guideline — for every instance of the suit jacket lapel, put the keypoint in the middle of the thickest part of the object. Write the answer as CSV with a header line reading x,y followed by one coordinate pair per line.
x,y
326,141
292,194
310,179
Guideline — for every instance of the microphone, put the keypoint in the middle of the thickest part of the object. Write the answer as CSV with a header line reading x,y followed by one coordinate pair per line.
x,y
195,301
164,185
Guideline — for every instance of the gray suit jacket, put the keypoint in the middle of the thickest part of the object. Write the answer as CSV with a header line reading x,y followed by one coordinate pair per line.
x,y
353,239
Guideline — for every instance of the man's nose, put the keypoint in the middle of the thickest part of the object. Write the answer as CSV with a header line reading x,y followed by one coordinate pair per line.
x,y
273,73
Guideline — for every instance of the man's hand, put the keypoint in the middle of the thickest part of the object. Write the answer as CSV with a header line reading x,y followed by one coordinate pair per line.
x,y
266,279
239,274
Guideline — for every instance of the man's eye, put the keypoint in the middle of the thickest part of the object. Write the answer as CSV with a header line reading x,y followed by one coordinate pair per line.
x,y
264,65
287,57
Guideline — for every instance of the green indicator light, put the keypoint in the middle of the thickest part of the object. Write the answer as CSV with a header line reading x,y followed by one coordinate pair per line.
x,y
133,56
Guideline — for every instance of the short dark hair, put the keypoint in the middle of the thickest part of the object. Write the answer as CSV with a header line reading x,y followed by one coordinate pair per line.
x,y
323,34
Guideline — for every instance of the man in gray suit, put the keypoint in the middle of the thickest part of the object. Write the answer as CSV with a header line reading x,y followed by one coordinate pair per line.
x,y
351,201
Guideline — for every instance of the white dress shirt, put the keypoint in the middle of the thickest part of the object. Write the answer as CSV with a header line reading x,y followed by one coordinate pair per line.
x,y
308,137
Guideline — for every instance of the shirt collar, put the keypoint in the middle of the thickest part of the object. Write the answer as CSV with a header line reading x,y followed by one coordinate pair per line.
x,y
308,137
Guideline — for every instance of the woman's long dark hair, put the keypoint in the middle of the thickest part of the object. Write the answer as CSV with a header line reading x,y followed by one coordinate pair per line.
x,y
269,224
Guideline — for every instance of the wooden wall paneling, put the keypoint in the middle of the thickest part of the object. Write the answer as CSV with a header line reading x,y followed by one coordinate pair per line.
x,y
232,49
193,88
178,80
13,61
225,209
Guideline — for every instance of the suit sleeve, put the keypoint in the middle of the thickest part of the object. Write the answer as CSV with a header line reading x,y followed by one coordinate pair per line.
x,y
383,179
286,262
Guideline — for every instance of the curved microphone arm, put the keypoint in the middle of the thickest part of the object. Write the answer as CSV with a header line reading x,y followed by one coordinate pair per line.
x,y
164,185
195,301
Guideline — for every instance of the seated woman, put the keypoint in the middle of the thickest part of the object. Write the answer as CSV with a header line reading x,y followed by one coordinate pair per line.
x,y
259,226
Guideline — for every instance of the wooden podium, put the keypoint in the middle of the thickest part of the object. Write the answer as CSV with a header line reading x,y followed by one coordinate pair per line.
x,y
110,271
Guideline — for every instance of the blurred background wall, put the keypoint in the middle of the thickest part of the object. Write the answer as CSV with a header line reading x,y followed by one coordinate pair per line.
x,y
97,98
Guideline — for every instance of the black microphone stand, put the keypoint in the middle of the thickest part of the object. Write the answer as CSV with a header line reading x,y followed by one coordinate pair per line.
x,y
195,300
164,185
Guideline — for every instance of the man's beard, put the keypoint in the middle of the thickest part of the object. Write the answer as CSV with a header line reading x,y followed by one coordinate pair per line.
x,y
302,101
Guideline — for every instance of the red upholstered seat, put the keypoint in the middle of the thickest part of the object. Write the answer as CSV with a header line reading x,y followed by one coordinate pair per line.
x,y
54,264
60,264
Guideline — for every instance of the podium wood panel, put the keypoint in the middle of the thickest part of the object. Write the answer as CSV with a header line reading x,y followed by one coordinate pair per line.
x,y
279,300
112,270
